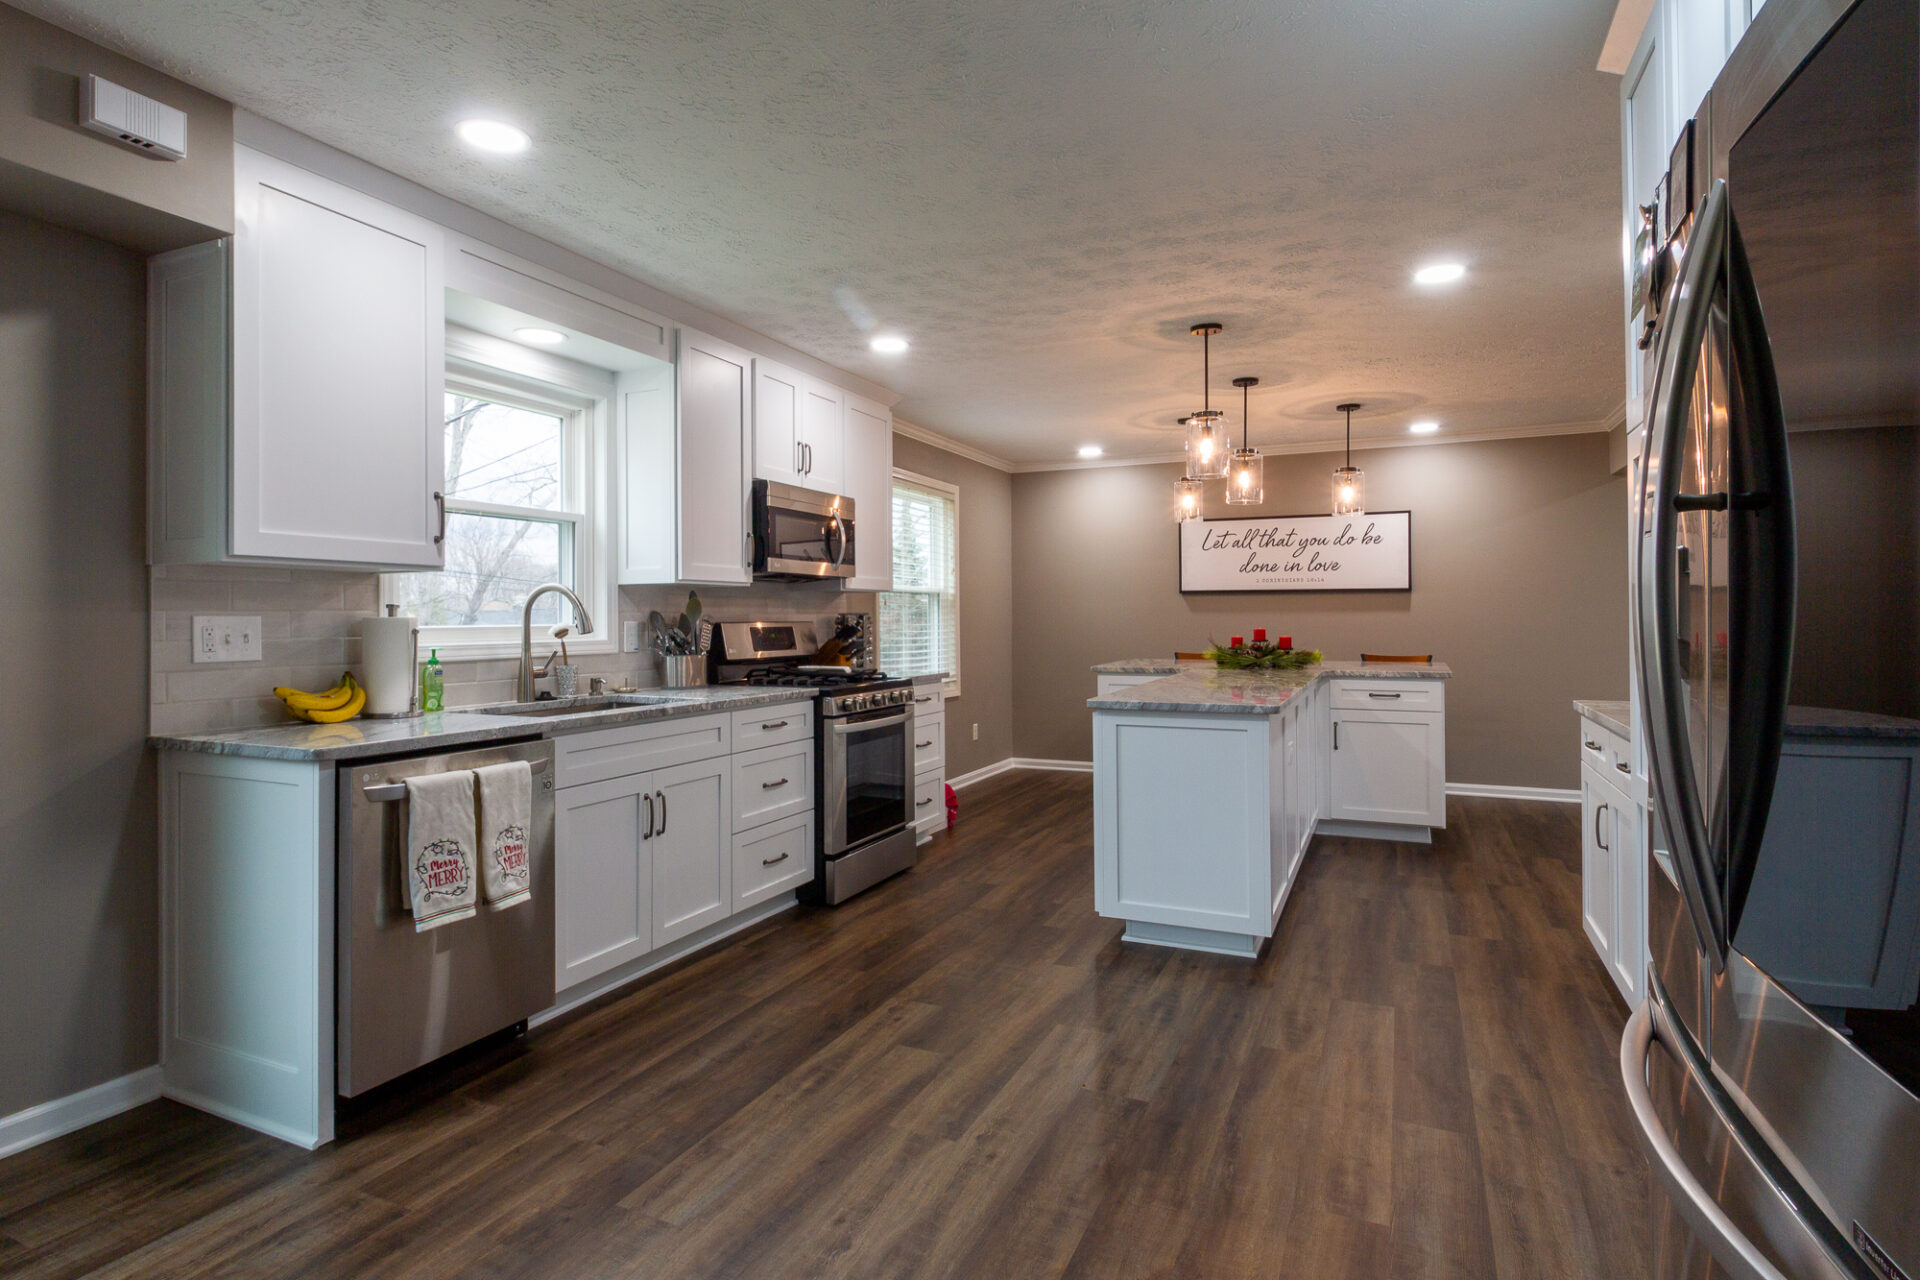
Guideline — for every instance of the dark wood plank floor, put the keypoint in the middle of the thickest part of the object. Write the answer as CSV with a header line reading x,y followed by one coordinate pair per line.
x,y
965,1074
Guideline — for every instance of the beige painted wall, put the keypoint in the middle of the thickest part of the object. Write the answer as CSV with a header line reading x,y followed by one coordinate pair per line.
x,y
1519,572
51,168
986,604
78,909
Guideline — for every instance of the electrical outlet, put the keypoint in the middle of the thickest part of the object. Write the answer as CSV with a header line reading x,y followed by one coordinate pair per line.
x,y
224,638
976,731
630,637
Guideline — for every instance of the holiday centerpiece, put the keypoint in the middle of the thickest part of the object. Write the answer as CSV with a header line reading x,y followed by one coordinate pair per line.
x,y
1262,654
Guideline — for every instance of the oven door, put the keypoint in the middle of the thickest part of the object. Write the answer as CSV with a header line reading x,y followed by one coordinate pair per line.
x,y
866,779
798,533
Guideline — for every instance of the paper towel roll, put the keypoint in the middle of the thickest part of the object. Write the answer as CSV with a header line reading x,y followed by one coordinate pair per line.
x,y
387,656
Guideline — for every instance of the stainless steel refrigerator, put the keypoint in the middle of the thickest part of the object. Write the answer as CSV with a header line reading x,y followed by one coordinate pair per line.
x,y
1773,1069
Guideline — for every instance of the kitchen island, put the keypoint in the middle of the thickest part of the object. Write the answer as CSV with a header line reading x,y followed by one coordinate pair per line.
x,y
1209,785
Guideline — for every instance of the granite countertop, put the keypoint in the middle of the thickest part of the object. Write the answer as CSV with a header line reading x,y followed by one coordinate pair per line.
x,y
1201,686
1613,715
462,727
1828,722
932,677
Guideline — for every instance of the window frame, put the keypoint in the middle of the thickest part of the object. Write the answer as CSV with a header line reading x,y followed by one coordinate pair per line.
x,y
951,491
583,397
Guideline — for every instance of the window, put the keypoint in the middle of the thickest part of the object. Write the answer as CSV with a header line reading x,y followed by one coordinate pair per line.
x,y
920,617
520,488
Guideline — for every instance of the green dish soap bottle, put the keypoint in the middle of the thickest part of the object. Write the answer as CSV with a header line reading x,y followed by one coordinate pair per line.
x,y
433,683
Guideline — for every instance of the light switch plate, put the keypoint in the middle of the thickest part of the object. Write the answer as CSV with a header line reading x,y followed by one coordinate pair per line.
x,y
226,638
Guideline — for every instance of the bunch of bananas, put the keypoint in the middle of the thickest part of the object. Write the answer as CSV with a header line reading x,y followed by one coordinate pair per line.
x,y
342,702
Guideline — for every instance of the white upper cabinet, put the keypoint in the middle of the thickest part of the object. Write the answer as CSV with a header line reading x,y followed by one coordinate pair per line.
x,y
823,438
777,395
716,397
869,482
296,406
798,438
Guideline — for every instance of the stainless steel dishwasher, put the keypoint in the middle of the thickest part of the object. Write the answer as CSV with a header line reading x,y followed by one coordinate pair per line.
x,y
405,998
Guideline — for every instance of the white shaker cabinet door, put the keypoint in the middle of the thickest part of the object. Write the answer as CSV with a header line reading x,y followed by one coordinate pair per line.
x,y
603,877
1599,895
338,373
779,394
823,438
1389,766
869,475
715,430
692,847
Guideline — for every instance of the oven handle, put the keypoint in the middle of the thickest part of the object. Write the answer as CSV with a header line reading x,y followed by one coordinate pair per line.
x,y
861,726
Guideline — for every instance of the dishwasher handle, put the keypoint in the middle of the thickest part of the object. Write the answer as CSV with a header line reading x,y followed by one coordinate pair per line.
x,y
388,792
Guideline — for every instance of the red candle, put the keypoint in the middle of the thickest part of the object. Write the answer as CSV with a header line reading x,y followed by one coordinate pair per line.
x,y
1259,635
1236,642
1284,642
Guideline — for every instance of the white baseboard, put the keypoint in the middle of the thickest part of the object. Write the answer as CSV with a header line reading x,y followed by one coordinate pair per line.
x,y
593,988
993,770
1063,766
49,1120
1495,791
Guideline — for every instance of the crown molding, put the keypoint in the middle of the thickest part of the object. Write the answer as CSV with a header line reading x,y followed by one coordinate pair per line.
x,y
948,444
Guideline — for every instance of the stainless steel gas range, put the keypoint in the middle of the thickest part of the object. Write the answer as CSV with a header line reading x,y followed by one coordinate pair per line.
x,y
863,800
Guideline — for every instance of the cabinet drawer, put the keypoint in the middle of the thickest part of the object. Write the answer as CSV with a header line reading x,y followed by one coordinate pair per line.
x,y
930,801
929,740
928,700
771,783
768,726
599,754
1606,751
770,860
1389,695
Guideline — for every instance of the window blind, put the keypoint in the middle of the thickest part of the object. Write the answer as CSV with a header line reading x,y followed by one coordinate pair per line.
x,y
920,617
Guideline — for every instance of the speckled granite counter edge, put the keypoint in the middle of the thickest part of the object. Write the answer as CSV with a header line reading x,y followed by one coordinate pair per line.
x,y
1613,713
460,727
1203,687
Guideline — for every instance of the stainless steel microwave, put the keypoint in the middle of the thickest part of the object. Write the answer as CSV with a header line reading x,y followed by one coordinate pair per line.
x,y
800,533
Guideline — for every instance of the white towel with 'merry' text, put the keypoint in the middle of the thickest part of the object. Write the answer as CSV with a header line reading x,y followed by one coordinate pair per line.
x,y
506,815
440,848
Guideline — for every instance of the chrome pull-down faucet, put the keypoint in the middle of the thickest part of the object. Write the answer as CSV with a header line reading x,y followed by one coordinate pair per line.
x,y
528,672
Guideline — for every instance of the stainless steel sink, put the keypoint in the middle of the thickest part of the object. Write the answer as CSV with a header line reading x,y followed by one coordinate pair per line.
x,y
578,706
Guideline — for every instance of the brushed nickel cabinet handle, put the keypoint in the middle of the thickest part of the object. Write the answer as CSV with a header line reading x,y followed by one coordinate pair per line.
x,y
663,813
440,500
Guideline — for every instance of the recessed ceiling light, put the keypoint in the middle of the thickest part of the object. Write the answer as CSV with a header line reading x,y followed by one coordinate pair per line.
x,y
889,345
541,337
493,135
1091,451
1439,273
1423,428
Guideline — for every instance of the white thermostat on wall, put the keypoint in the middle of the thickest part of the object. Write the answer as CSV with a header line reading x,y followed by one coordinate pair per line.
x,y
133,118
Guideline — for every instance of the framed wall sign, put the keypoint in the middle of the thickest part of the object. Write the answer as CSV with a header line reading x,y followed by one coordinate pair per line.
x,y
1370,552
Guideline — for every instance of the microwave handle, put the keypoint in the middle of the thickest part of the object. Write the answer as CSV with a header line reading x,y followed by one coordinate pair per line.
x,y
837,536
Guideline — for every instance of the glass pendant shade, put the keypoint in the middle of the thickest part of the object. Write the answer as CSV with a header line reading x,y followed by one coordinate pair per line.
x,y
1349,491
1187,493
1209,447
1246,479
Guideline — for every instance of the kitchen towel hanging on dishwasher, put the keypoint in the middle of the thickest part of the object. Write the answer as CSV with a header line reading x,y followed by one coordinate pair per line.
x,y
440,845
506,813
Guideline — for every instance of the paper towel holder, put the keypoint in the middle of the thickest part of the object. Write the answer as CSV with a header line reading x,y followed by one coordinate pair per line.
x,y
413,693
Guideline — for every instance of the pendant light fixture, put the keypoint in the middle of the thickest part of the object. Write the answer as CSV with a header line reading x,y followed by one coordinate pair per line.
x,y
1208,445
1186,498
1349,482
1245,474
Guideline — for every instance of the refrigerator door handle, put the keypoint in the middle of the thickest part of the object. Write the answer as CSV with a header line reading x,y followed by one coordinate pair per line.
x,y
1669,760
1826,1256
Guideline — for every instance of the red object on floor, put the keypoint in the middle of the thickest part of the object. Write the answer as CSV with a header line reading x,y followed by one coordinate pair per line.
x,y
953,808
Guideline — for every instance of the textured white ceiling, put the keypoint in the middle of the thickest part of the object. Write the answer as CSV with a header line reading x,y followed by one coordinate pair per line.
x,y
1041,195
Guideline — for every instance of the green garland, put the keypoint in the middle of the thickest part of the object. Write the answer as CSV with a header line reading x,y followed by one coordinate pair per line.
x,y
1261,657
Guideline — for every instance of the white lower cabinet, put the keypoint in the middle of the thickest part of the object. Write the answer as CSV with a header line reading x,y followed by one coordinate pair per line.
x,y
1389,767
1613,885
651,857
929,743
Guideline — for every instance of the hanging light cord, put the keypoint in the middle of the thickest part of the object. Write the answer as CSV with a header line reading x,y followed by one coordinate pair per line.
x,y
1349,465
1243,417
1206,375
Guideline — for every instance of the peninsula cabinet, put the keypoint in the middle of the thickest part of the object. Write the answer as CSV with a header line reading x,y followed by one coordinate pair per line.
x,y
1613,885
294,382
1387,759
